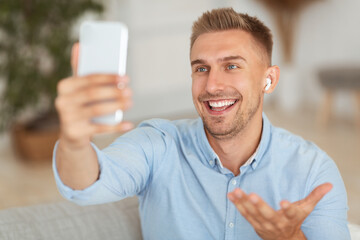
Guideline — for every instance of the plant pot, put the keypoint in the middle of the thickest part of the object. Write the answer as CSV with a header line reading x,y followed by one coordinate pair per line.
x,y
34,142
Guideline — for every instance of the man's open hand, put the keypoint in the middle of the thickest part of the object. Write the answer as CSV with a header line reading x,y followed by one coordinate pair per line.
x,y
282,224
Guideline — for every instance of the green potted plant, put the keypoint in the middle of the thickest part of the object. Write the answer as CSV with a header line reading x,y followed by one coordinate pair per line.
x,y
35,43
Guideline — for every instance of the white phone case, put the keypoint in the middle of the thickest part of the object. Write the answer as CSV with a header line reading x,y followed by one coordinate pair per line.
x,y
103,50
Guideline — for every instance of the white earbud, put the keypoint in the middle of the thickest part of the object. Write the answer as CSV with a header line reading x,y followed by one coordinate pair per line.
x,y
268,84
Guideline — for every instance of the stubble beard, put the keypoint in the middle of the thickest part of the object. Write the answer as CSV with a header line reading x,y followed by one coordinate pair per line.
x,y
218,128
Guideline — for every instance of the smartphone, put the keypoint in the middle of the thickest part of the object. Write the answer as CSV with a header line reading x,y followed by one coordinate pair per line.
x,y
103,50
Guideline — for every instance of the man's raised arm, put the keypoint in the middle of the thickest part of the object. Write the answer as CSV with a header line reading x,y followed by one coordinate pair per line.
x,y
79,100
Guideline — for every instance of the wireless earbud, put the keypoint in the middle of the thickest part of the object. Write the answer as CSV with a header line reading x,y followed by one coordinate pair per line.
x,y
268,84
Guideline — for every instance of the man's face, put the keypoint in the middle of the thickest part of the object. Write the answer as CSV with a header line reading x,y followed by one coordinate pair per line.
x,y
228,73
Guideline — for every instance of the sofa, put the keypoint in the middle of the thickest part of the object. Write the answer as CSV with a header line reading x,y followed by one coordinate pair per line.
x,y
65,220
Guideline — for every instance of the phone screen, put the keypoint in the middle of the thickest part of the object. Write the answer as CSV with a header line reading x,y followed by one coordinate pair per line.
x,y
103,50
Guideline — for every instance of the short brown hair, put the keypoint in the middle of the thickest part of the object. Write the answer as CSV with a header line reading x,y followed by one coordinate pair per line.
x,y
227,19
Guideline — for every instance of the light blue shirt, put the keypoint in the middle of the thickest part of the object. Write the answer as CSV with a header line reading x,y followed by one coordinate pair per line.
x,y
182,186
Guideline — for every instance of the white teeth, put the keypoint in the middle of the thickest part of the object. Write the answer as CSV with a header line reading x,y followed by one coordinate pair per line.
x,y
221,103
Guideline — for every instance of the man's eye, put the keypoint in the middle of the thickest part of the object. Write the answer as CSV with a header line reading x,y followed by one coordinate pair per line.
x,y
201,69
231,66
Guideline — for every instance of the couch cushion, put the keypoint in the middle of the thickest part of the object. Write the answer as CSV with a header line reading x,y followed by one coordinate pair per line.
x,y
354,231
65,220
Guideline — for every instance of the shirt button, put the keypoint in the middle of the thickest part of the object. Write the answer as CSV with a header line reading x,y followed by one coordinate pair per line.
x,y
233,182
231,225
211,162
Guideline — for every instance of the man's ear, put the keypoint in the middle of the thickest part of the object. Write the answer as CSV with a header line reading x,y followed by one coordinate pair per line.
x,y
272,73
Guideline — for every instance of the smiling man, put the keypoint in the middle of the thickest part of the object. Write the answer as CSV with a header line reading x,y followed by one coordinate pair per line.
x,y
229,174
228,71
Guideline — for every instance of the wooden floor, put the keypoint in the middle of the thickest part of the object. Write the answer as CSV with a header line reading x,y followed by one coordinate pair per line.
x,y
23,184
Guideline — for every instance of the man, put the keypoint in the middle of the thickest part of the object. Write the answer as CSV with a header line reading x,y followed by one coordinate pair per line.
x,y
227,175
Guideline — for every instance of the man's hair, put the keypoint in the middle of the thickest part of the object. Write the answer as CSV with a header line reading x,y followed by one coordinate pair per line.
x,y
227,19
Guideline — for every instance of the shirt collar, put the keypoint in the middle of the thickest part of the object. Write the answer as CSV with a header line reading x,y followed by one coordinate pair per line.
x,y
264,142
252,158
211,157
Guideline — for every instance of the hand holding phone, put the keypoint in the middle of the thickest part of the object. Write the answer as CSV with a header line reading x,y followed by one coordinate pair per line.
x,y
91,92
103,50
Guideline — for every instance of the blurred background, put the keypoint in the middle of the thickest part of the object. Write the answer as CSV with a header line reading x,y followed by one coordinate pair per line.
x,y
316,45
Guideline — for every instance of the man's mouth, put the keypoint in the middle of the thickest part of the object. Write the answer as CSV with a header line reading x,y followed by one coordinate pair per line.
x,y
220,106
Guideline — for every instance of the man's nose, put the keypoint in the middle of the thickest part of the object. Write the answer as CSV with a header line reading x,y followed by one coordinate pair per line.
x,y
214,82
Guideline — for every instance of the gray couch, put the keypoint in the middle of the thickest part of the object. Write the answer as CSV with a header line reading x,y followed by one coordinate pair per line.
x,y
65,220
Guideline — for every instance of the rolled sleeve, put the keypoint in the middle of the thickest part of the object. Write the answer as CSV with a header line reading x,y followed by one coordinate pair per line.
x,y
94,194
126,167
329,218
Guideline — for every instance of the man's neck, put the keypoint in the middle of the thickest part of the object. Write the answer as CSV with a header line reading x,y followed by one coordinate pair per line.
x,y
234,152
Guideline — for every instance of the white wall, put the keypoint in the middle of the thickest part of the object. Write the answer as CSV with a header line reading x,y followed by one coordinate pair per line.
x,y
327,35
159,55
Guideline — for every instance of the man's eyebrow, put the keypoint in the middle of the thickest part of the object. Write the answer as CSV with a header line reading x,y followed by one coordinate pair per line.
x,y
232,58
224,59
197,61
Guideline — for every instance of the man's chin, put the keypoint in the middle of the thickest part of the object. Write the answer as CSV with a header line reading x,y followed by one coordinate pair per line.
x,y
219,129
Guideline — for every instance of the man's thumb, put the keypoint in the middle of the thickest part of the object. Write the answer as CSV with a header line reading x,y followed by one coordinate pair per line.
x,y
75,58
317,194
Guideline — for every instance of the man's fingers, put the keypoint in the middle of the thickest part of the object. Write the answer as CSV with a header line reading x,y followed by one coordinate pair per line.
x,y
238,197
82,130
96,110
105,108
121,127
285,204
265,219
290,209
264,209
252,205
301,209
81,98
97,95
75,58
315,196
249,205
73,84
